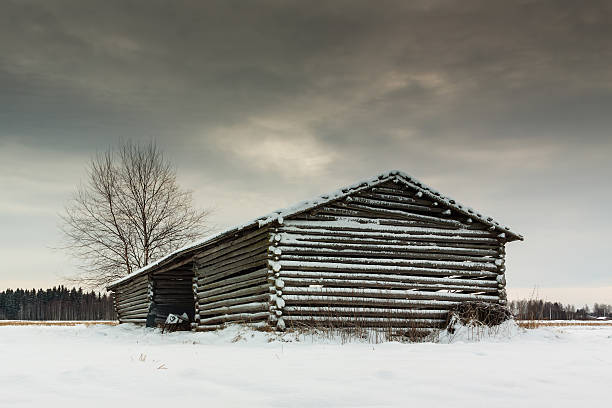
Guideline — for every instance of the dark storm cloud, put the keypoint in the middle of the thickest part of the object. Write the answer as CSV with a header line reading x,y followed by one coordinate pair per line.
x,y
204,64
503,104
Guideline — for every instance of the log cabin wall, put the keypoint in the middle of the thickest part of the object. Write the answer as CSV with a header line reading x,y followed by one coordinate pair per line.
x,y
132,300
231,281
383,257
172,293
387,252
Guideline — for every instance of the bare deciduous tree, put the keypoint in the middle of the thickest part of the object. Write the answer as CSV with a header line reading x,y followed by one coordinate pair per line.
x,y
129,213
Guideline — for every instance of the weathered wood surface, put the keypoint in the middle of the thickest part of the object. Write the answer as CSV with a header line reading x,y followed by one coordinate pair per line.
x,y
358,283
331,240
386,293
235,317
230,245
365,312
259,289
232,281
385,235
213,274
234,301
385,256
136,287
382,252
126,301
367,321
259,273
239,308
366,301
173,293
407,270
305,275
132,300
136,309
371,227
394,253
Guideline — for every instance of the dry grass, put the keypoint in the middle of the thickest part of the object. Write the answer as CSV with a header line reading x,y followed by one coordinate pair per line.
x,y
534,324
56,323
357,330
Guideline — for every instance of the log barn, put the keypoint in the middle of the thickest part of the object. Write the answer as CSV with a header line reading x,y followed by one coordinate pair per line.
x,y
386,252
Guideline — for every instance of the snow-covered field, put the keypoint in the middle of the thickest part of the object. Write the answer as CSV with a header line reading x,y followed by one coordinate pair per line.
x,y
112,366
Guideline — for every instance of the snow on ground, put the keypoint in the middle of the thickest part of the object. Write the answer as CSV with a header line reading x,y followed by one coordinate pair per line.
x,y
116,366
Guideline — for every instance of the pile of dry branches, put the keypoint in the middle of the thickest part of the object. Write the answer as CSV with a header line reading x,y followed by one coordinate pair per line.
x,y
477,314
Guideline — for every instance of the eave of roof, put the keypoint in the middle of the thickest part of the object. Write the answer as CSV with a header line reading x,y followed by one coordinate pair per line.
x,y
279,215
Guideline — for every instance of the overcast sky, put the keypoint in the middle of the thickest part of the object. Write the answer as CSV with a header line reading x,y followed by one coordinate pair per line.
x,y
505,106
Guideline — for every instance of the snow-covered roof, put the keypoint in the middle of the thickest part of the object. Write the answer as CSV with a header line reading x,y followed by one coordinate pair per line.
x,y
279,215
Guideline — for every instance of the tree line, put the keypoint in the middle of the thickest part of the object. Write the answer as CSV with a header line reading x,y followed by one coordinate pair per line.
x,y
61,303
58,303
534,309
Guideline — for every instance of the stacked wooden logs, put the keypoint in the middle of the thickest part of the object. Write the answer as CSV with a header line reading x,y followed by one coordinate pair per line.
x,y
133,299
194,288
173,294
500,261
231,283
277,303
384,257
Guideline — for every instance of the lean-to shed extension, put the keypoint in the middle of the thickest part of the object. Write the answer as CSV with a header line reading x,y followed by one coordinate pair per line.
x,y
388,252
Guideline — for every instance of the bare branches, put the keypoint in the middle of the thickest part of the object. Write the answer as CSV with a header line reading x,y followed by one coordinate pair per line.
x,y
130,212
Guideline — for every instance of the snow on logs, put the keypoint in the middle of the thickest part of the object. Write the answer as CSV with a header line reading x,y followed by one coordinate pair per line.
x,y
406,236
382,257
194,291
359,262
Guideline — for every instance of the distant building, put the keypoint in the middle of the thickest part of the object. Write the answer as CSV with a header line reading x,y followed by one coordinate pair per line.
x,y
387,252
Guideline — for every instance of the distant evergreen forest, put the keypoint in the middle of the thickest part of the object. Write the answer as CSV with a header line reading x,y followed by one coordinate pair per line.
x,y
61,303
58,303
